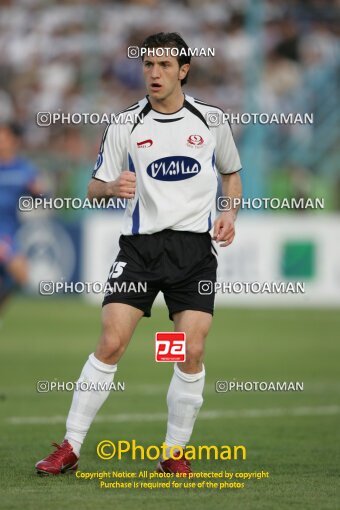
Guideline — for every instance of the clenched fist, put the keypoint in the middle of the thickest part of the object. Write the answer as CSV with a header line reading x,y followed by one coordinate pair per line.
x,y
124,186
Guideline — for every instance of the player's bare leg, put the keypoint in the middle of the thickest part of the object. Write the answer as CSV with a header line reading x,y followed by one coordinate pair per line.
x,y
184,396
118,324
196,326
18,269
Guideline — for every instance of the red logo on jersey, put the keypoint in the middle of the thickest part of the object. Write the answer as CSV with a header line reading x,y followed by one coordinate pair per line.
x,y
144,144
170,346
195,140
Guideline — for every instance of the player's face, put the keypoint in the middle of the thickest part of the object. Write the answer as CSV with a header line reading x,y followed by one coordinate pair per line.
x,y
163,76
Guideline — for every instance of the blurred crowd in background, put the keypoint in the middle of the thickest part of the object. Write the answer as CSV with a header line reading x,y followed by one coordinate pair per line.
x,y
71,56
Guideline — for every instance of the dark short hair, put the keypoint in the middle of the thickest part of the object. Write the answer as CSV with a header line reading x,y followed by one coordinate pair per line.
x,y
169,40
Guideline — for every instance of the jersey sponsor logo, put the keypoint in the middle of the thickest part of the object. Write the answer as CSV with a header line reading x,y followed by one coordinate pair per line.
x,y
195,140
173,168
144,144
170,346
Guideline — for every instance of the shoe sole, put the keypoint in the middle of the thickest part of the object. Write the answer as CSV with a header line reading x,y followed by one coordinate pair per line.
x,y
64,471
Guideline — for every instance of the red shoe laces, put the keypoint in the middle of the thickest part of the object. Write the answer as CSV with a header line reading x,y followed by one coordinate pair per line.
x,y
58,453
185,462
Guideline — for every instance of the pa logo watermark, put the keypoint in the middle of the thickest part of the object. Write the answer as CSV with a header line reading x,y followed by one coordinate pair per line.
x,y
170,347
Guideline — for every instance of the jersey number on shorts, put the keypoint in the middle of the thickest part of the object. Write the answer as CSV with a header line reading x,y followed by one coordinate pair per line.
x,y
117,269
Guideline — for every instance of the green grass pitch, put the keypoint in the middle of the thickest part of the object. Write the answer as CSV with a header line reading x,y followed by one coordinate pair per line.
x,y
292,435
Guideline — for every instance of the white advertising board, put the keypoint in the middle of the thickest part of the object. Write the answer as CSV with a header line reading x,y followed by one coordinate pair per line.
x,y
267,248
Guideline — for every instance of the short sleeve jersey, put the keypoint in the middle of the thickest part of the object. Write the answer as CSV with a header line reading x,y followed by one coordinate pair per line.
x,y
176,158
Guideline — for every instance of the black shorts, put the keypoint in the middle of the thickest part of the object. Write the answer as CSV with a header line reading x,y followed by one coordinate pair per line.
x,y
170,261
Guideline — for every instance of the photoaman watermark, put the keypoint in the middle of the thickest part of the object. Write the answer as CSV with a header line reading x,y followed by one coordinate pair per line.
x,y
107,450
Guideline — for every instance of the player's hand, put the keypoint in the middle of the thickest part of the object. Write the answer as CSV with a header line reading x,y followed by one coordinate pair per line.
x,y
124,186
224,228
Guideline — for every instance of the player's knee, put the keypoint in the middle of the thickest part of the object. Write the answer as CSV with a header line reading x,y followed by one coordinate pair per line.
x,y
22,278
111,346
18,270
194,354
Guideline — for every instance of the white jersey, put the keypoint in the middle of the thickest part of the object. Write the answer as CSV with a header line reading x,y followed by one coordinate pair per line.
x,y
175,158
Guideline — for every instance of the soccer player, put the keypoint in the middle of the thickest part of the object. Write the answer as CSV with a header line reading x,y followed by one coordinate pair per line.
x,y
18,177
167,166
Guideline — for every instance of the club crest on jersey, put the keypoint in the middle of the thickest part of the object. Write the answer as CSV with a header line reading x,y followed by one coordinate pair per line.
x,y
144,144
99,161
173,168
195,141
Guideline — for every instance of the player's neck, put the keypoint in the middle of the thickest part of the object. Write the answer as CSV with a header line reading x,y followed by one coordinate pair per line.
x,y
170,104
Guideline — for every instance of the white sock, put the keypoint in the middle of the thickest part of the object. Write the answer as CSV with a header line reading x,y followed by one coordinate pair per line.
x,y
86,404
184,401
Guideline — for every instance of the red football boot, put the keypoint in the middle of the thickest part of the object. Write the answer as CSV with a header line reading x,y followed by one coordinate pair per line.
x,y
178,465
60,461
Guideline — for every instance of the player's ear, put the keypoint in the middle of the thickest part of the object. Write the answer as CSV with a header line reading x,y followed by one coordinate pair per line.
x,y
183,71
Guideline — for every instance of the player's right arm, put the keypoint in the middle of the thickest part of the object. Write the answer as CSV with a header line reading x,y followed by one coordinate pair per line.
x,y
123,187
108,177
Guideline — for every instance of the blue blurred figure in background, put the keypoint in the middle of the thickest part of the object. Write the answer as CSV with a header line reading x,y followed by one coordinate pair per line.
x,y
18,177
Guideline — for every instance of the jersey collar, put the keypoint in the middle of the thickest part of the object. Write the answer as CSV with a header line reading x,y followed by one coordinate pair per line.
x,y
162,113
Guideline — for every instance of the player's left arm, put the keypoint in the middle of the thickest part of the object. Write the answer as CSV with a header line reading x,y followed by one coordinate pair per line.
x,y
228,164
224,225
